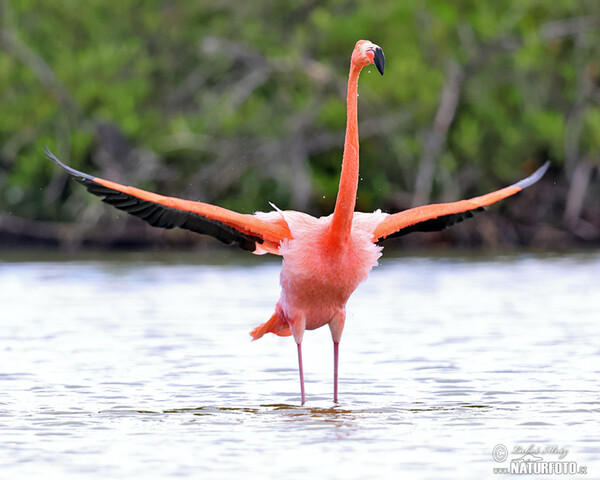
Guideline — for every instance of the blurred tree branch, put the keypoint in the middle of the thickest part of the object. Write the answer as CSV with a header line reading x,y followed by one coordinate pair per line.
x,y
11,42
457,76
241,106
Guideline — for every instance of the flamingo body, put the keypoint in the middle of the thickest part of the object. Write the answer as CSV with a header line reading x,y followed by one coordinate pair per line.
x,y
324,259
317,278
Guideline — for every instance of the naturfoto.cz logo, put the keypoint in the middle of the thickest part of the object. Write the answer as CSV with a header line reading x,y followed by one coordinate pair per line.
x,y
535,460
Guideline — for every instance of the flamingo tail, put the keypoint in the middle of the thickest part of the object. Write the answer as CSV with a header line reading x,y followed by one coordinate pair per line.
x,y
276,324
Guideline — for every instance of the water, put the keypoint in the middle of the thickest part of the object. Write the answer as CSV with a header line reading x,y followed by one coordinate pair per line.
x,y
137,367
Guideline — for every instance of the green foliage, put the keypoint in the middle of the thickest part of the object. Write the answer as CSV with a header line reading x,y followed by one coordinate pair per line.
x,y
236,99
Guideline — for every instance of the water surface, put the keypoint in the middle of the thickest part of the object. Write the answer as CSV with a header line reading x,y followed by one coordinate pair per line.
x,y
141,367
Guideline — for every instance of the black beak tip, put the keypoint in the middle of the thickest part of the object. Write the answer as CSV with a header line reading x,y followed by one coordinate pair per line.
x,y
379,60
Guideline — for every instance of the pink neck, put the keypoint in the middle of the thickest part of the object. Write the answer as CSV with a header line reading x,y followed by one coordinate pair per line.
x,y
341,224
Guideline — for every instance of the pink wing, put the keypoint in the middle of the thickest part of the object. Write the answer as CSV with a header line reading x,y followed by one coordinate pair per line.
x,y
246,231
431,218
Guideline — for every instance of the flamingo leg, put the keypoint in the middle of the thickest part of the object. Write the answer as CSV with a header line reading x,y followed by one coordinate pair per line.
x,y
336,346
301,370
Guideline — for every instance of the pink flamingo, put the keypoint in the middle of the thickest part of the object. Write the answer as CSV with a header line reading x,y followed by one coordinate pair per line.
x,y
324,259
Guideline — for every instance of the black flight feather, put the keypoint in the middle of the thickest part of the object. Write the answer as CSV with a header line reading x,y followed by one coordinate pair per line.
x,y
159,215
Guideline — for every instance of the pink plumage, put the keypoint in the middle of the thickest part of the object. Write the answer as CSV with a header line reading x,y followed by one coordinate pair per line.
x,y
324,259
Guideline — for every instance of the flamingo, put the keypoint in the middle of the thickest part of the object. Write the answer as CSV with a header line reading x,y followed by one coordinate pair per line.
x,y
324,259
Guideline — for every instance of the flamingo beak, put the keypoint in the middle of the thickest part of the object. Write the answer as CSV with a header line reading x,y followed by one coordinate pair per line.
x,y
378,59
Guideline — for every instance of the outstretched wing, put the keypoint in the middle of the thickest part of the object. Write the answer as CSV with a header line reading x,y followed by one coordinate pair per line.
x,y
246,231
431,218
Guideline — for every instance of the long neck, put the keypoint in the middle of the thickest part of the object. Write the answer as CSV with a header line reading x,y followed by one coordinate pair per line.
x,y
341,224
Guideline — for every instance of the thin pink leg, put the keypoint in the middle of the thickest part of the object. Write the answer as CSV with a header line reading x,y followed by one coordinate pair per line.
x,y
301,373
336,346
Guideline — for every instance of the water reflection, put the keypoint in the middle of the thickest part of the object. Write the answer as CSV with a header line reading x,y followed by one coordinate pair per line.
x,y
145,369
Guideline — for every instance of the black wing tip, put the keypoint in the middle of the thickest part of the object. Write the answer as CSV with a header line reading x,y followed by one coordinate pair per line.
x,y
534,177
52,157
80,176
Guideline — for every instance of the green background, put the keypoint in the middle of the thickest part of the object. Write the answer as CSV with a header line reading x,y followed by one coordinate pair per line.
x,y
242,103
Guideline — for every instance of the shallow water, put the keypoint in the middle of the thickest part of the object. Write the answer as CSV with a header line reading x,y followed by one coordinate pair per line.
x,y
141,367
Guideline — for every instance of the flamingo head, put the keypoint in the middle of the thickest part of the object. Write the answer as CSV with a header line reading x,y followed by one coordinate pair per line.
x,y
367,53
